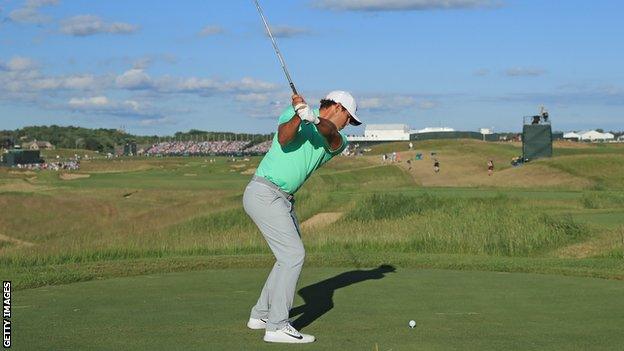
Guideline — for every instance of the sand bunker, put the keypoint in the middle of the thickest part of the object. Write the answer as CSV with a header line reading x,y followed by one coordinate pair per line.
x,y
321,219
15,241
72,176
23,172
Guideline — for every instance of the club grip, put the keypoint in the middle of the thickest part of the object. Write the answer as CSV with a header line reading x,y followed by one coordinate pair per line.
x,y
294,90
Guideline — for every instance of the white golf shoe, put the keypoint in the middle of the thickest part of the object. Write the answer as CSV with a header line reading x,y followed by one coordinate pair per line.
x,y
255,323
288,334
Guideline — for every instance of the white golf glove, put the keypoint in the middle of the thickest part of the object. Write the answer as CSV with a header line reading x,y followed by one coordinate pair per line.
x,y
305,113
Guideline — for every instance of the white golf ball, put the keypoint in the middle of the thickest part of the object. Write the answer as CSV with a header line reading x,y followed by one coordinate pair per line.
x,y
412,323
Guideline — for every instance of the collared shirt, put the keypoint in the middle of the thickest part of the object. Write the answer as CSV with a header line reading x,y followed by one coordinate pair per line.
x,y
291,165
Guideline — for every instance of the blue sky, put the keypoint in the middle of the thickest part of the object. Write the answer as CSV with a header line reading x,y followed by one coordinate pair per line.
x,y
157,67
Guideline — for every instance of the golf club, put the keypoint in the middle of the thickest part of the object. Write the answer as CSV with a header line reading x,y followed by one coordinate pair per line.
x,y
277,51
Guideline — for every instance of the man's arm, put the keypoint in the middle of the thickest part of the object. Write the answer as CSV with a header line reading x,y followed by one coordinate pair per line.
x,y
287,131
330,132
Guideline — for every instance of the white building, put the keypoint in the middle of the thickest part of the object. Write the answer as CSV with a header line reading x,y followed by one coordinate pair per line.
x,y
383,132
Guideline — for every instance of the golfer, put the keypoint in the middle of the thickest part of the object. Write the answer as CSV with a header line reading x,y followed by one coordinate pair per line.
x,y
490,165
305,140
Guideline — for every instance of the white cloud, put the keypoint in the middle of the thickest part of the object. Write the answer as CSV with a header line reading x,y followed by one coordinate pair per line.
x,y
386,102
427,105
21,75
524,72
402,5
29,12
137,79
38,82
19,63
211,30
96,101
395,103
287,31
23,81
370,103
102,105
85,25
256,98
134,79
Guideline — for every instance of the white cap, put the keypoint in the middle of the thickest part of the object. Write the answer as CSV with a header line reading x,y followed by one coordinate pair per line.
x,y
348,102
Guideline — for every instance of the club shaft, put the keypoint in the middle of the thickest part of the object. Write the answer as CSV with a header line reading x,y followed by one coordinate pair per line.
x,y
277,51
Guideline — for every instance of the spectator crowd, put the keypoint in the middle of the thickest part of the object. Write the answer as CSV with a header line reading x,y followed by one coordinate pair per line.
x,y
71,165
179,148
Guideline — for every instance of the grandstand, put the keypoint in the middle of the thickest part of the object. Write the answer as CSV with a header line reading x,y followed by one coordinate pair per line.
x,y
212,148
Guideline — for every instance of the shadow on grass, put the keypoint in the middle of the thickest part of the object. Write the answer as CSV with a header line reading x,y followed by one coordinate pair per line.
x,y
318,297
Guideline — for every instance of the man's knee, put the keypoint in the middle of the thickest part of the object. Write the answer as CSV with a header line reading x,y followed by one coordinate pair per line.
x,y
294,258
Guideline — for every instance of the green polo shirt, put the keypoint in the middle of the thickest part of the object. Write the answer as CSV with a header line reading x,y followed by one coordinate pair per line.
x,y
289,166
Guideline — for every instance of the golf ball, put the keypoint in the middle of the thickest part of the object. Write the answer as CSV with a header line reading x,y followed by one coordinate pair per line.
x,y
412,323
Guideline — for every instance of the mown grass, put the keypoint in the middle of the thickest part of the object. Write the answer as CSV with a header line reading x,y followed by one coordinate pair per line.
x,y
90,222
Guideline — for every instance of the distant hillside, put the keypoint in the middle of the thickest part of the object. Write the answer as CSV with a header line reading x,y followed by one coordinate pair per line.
x,y
105,140
464,164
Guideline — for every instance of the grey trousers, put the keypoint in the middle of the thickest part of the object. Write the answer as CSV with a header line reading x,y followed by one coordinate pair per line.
x,y
273,212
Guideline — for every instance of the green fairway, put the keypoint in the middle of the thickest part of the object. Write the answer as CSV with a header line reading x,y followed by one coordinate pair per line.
x,y
207,310
154,253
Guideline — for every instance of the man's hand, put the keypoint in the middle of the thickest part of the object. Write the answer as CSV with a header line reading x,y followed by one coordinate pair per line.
x,y
303,110
296,100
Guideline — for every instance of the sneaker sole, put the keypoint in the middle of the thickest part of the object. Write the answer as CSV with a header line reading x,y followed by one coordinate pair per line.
x,y
253,327
287,341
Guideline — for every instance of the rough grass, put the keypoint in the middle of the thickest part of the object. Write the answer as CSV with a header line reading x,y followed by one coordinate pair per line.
x,y
493,226
90,222
602,200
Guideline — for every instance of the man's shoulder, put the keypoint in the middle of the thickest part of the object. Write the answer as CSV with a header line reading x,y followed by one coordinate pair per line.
x,y
287,114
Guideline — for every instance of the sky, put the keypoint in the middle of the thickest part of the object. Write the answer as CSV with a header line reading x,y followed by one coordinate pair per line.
x,y
157,67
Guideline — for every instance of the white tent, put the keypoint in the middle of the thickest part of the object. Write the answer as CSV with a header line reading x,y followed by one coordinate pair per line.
x,y
593,135
571,135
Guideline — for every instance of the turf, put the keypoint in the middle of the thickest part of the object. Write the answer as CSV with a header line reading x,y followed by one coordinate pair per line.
x,y
163,256
345,308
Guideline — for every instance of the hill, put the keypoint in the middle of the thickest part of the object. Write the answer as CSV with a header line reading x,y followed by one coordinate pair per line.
x,y
463,163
